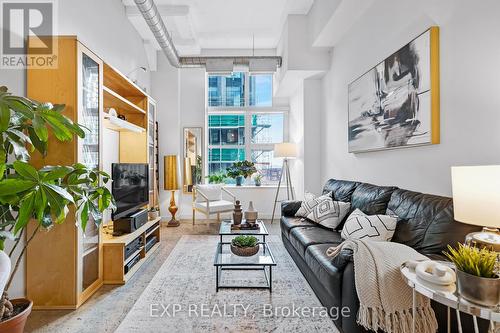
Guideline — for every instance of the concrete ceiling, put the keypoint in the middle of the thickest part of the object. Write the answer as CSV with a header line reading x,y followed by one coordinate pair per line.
x,y
220,24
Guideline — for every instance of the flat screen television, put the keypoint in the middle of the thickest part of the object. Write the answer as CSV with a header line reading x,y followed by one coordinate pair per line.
x,y
130,187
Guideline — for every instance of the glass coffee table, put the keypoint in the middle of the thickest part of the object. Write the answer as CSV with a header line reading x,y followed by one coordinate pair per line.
x,y
225,260
225,230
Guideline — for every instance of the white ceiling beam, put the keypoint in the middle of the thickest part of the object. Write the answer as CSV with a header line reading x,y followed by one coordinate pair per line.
x,y
164,10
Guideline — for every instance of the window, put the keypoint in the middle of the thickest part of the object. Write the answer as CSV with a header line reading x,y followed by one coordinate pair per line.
x,y
242,124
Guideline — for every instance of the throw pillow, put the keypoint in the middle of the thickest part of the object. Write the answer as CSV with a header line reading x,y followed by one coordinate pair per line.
x,y
376,227
310,201
323,210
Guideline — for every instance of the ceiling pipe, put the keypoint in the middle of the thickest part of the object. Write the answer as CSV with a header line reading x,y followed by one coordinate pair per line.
x,y
155,22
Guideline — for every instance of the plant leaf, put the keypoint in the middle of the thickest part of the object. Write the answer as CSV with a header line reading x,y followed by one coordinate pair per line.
x,y
26,170
4,117
60,191
40,128
13,186
25,211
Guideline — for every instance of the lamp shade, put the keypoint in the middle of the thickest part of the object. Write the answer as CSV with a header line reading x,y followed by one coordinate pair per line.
x,y
476,195
170,173
285,149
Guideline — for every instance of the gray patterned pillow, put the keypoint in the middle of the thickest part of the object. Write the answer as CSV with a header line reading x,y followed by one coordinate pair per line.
x,y
324,210
376,227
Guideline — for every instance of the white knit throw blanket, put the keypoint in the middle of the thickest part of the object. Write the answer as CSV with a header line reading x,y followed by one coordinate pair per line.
x,y
385,299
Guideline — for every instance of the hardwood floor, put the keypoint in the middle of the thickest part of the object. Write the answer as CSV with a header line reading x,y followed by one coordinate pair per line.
x,y
104,311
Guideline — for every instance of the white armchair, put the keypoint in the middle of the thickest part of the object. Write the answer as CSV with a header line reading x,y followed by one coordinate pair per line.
x,y
208,199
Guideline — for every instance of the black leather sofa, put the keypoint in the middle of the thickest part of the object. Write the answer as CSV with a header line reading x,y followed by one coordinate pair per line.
x,y
425,223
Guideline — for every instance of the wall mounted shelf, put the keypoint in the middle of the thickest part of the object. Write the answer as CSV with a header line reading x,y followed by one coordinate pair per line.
x,y
114,100
120,125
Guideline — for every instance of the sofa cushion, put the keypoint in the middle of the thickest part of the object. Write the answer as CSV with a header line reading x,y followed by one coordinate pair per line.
x,y
287,223
302,237
371,199
342,190
290,207
327,273
426,222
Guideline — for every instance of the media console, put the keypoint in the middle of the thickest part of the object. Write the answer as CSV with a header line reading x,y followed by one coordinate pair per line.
x,y
123,255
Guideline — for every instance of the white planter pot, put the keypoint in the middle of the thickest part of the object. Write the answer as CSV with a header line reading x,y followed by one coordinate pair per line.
x,y
5,266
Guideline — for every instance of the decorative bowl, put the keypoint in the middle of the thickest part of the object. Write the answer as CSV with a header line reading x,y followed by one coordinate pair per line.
x,y
245,251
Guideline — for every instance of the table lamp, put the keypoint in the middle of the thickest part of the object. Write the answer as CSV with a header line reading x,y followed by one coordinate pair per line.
x,y
170,184
476,201
286,150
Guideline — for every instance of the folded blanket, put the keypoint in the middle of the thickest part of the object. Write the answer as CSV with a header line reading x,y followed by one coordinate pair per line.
x,y
385,299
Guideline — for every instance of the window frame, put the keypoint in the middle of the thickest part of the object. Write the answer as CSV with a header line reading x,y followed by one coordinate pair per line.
x,y
248,111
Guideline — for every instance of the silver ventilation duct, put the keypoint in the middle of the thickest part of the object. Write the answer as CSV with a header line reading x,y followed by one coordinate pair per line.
x,y
155,22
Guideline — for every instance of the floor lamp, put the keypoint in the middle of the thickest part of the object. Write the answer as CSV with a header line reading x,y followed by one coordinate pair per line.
x,y
170,184
286,150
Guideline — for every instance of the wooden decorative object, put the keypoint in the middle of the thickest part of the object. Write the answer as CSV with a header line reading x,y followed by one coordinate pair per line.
x,y
245,251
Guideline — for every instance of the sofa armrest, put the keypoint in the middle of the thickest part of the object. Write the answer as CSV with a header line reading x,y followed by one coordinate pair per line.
x,y
342,259
290,207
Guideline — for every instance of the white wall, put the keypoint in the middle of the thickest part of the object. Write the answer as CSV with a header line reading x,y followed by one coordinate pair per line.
x,y
103,27
470,98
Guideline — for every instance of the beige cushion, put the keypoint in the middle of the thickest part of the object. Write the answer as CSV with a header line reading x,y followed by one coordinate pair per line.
x,y
212,191
215,206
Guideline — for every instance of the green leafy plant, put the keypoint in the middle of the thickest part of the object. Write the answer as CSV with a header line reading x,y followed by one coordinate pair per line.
x,y
474,261
245,241
216,178
198,169
41,196
243,168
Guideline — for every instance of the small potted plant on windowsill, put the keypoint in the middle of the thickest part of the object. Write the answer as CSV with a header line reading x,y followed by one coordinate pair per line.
x,y
245,246
216,178
241,170
258,179
477,279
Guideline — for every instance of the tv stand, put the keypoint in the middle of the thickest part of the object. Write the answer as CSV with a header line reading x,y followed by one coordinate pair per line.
x,y
123,255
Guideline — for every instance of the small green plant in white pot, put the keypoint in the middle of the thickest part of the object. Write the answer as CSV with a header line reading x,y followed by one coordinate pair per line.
x,y
477,278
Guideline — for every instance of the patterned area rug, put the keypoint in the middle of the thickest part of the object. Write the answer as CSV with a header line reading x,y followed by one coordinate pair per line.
x,y
181,297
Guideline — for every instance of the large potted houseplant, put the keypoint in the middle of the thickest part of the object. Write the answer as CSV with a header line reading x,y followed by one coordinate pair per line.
x,y
477,278
41,196
241,170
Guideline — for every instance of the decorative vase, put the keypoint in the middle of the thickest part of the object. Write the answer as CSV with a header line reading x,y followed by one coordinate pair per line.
x,y
239,180
16,324
479,290
251,214
245,251
237,214
258,182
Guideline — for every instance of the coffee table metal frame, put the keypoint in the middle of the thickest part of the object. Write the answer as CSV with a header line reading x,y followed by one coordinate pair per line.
x,y
244,266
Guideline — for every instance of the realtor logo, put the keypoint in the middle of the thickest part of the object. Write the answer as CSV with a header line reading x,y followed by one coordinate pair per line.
x,y
27,30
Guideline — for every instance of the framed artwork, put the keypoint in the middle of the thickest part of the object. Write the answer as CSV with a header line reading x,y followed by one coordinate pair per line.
x,y
396,103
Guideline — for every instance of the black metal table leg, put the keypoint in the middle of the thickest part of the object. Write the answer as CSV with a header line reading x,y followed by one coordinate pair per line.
x,y
270,279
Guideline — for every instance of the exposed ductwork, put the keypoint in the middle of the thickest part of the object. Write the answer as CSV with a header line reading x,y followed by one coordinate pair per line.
x,y
155,22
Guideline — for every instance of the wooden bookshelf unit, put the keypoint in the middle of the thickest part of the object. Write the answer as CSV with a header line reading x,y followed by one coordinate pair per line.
x,y
114,250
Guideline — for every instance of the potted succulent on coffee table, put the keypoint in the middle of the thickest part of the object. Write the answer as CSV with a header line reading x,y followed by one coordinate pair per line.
x,y
478,281
42,197
245,246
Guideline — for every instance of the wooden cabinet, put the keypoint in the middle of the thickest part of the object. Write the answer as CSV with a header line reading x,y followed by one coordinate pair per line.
x,y
64,266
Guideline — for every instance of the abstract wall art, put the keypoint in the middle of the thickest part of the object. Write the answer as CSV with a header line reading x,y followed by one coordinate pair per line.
x,y
396,103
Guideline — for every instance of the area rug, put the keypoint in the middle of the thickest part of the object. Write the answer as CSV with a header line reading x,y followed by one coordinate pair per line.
x,y
181,297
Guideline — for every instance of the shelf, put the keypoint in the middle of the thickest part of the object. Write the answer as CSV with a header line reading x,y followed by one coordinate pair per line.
x,y
120,125
121,84
116,101
149,233
153,249
127,238
132,256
